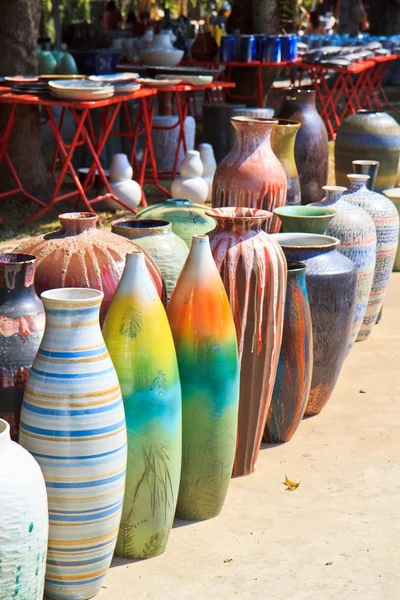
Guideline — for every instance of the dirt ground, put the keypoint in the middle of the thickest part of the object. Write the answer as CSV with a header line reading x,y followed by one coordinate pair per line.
x,y
335,537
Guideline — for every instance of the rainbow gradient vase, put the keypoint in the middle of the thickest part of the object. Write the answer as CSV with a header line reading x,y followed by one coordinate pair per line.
x,y
205,339
141,346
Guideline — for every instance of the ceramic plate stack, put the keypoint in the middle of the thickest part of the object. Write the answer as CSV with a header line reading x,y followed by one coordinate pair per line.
x,y
114,78
80,90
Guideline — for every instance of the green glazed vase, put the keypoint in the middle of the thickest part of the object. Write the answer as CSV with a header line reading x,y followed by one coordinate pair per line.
x,y
394,195
186,217
305,219
140,343
283,140
205,339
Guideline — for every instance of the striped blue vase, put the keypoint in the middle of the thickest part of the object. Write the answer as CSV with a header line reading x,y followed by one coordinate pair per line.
x,y
73,422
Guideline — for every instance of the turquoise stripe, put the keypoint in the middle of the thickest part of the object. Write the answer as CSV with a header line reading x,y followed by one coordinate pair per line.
x,y
70,583
84,484
84,512
79,563
72,458
74,312
74,433
77,354
70,413
80,549
85,518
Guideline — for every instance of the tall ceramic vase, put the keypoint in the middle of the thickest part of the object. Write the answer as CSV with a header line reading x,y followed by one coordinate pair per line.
x,y
293,378
167,249
356,231
73,422
80,255
205,340
311,147
21,329
386,219
283,143
140,343
253,269
394,196
24,523
251,176
331,284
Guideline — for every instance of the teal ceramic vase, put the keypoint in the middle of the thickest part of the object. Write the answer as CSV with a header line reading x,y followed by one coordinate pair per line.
x,y
394,196
187,219
205,339
73,423
140,343
305,219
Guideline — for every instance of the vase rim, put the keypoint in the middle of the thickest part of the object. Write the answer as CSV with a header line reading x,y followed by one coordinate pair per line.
x,y
295,265
250,122
365,162
71,296
334,188
74,216
239,213
305,241
150,226
358,177
288,123
16,258
290,211
176,200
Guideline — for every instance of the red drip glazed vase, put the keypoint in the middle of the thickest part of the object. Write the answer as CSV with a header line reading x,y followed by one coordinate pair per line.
x,y
251,175
253,269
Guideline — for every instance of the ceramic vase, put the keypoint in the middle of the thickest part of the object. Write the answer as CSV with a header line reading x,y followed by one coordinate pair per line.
x,y
205,340
311,146
80,255
331,284
209,166
156,237
386,219
187,219
21,330
368,135
367,167
24,521
293,377
204,48
190,183
394,196
356,231
161,52
165,134
140,343
217,128
283,142
120,168
254,113
128,191
251,175
72,421
305,219
253,269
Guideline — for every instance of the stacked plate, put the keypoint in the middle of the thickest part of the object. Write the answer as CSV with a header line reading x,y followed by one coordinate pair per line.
x,y
114,78
67,89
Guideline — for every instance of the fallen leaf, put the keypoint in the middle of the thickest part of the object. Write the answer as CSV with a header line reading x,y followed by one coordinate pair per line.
x,y
361,391
328,564
290,485
228,560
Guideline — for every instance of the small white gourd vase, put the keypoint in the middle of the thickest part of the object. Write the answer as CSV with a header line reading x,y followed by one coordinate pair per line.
x,y
191,166
120,169
128,191
190,183
209,166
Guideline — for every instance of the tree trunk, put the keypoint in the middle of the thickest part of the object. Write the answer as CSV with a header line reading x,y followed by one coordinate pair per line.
x,y
19,30
266,16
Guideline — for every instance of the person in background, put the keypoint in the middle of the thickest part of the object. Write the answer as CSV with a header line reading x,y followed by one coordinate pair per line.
x,y
112,18
131,19
351,17
315,25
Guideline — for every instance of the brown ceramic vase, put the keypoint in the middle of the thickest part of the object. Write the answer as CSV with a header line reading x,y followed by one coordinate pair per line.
x,y
253,269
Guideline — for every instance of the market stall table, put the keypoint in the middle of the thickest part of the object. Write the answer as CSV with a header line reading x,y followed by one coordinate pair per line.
x,y
84,134
375,95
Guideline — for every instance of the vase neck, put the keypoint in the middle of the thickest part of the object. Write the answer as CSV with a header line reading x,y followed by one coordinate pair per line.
x,y
284,137
333,194
5,438
200,259
74,309
357,182
136,228
306,97
17,273
76,223
251,134
135,278
296,273
239,219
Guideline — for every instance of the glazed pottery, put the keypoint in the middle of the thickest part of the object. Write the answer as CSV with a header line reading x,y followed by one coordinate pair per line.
x,y
253,269
293,377
156,237
251,175
367,167
311,146
209,166
120,168
306,219
368,135
140,343
21,329
394,196
282,142
204,48
190,183
24,523
217,128
128,191
47,64
67,65
356,231
386,219
161,52
80,255
331,284
205,340
254,113
72,421
187,219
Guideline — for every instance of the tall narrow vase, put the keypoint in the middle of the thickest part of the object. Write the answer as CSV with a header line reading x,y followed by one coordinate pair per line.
x,y
253,269
140,343
386,219
283,143
24,523
293,378
21,329
73,422
356,231
331,284
205,340
311,148
251,176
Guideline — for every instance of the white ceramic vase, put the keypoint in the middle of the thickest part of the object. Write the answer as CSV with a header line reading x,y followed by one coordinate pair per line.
x,y
24,522
190,188
120,168
209,166
128,191
191,166
161,52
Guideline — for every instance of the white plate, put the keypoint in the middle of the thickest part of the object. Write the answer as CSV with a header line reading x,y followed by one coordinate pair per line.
x,y
79,86
115,78
159,82
197,79
127,88
21,79
82,96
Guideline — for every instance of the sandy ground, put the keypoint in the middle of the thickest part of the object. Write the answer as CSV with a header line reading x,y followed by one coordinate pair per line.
x,y
335,537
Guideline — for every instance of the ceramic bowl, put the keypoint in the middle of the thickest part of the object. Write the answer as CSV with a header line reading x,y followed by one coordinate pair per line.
x,y
307,219
162,58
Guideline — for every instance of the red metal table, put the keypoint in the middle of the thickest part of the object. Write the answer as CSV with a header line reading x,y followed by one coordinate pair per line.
x,y
351,82
84,134
375,95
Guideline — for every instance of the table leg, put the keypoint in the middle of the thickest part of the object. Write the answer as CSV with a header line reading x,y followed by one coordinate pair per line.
x,y
148,150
